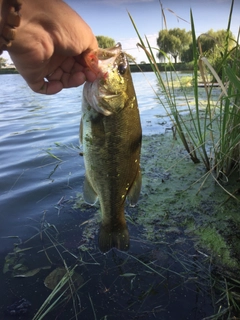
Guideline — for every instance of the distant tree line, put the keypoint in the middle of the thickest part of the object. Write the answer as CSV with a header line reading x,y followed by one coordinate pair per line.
x,y
177,43
105,42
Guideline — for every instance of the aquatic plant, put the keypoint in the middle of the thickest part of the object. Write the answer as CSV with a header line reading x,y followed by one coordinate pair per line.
x,y
210,133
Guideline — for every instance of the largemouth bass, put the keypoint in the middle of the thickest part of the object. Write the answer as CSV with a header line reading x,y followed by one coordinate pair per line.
x,y
111,136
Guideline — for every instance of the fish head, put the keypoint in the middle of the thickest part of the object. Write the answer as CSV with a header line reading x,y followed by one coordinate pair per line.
x,y
108,93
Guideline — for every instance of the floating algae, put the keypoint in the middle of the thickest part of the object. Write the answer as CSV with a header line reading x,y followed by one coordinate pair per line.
x,y
174,196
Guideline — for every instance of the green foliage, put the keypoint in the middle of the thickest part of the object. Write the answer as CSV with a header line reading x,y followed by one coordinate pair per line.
x,y
174,42
210,134
2,62
187,55
214,45
105,42
214,42
213,133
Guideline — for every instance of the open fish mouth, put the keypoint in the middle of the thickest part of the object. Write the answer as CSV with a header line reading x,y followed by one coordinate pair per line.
x,y
109,86
112,60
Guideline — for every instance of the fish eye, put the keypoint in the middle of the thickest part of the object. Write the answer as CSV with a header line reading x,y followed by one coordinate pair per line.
x,y
122,68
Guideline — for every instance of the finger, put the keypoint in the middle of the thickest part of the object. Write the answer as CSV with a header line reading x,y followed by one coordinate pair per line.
x,y
90,75
46,87
54,86
73,80
50,87
68,79
68,64
56,75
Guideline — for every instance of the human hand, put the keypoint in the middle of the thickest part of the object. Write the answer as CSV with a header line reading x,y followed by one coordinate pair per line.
x,y
50,46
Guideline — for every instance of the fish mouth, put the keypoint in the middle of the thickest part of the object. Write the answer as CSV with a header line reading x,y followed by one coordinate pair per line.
x,y
103,94
105,54
109,60
112,58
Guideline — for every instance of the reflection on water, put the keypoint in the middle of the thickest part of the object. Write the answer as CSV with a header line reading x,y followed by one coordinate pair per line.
x,y
39,166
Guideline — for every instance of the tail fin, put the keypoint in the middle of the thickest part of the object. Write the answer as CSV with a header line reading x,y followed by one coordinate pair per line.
x,y
109,238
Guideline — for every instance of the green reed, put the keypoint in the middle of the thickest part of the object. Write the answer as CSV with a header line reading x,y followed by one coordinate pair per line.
x,y
210,133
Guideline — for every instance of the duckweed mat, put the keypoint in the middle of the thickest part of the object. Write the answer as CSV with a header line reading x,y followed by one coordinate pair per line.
x,y
178,195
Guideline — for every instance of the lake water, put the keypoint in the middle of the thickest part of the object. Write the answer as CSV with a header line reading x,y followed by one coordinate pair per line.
x,y
41,173
30,126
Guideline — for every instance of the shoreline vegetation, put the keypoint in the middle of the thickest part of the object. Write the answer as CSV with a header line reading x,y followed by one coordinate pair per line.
x,y
142,67
147,67
203,162
8,71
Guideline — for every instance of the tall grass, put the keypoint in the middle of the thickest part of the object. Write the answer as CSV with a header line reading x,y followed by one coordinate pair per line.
x,y
210,134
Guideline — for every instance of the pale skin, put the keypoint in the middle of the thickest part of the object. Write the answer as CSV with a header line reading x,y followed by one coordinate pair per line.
x,y
50,43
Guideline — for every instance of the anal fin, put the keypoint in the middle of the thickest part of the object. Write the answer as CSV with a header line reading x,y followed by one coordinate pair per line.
x,y
135,190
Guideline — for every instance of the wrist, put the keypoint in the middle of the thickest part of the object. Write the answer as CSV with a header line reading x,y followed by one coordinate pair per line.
x,y
9,21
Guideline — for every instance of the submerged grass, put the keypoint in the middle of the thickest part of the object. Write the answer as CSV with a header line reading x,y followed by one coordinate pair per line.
x,y
66,289
169,267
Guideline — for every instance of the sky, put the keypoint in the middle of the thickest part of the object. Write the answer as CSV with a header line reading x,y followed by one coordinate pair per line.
x,y
110,18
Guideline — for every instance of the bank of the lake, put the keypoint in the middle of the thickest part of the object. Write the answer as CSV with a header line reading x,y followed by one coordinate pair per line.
x,y
177,197
8,71
178,200
142,67
146,67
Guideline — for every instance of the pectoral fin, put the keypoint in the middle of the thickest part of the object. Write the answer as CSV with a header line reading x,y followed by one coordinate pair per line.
x,y
89,194
134,192
81,132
